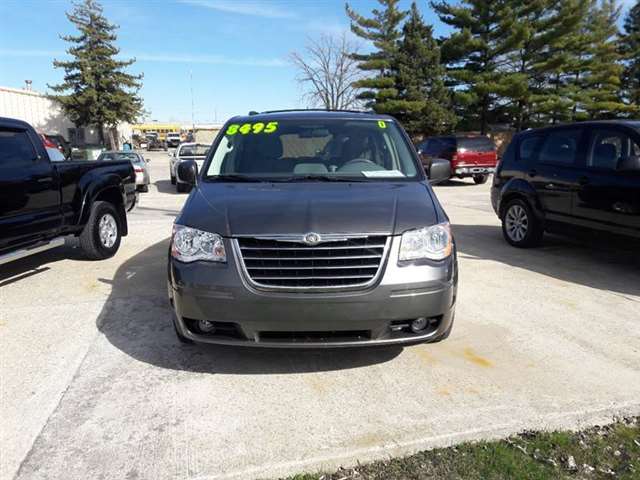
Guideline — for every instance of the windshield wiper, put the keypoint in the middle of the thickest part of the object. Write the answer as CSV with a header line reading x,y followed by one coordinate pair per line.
x,y
234,177
321,178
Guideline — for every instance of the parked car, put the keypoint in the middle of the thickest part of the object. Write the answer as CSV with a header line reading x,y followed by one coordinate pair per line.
x,y
58,142
470,156
173,139
154,142
88,152
186,151
311,229
575,178
143,179
41,202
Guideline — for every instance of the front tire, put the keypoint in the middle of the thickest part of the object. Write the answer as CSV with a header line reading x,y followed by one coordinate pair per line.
x,y
101,236
520,227
480,179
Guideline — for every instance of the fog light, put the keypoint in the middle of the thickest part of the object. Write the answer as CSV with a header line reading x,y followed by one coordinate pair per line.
x,y
205,326
419,324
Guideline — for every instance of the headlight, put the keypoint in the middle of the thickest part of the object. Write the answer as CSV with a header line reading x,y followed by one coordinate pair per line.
x,y
189,245
432,242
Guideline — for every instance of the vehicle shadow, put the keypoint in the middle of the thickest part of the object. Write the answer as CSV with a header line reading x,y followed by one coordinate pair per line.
x,y
455,183
164,186
136,319
579,262
35,264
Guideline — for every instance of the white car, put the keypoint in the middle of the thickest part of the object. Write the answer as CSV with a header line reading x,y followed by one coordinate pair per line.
x,y
186,151
173,139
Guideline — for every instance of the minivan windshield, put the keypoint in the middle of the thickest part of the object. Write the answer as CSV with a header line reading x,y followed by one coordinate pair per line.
x,y
291,150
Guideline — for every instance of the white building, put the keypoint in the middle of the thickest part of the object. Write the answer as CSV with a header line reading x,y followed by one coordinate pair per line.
x,y
46,116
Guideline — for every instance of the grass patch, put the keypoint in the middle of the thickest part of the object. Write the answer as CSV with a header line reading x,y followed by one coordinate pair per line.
x,y
602,452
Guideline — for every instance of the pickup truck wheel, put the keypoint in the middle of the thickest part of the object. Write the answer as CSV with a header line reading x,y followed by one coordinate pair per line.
x,y
480,179
101,236
520,226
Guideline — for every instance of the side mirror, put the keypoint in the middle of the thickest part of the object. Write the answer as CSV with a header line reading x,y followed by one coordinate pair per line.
x,y
629,164
440,171
188,171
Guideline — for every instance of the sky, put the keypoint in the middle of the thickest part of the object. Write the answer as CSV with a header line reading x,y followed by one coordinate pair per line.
x,y
233,54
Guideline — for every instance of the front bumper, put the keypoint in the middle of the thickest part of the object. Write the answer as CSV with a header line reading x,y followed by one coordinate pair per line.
x,y
375,316
470,170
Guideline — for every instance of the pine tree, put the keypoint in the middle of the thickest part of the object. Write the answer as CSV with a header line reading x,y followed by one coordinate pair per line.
x,y
534,65
382,29
630,49
485,31
601,85
96,89
423,104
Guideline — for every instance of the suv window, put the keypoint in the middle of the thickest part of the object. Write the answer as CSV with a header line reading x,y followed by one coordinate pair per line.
x,y
431,147
15,148
560,146
608,148
528,147
476,144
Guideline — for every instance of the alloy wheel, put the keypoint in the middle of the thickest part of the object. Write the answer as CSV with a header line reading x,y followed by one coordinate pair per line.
x,y
517,223
108,230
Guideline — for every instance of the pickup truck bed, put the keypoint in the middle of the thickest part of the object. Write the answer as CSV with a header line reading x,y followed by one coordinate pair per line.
x,y
41,200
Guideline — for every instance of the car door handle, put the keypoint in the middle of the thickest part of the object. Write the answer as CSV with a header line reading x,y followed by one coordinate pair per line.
x,y
583,181
533,173
550,186
44,179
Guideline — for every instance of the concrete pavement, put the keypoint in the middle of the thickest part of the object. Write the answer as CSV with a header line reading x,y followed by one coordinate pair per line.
x,y
95,385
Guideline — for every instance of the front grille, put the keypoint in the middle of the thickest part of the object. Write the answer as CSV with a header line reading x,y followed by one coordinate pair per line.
x,y
318,337
345,263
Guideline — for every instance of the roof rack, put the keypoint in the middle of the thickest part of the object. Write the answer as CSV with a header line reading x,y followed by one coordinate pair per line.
x,y
316,110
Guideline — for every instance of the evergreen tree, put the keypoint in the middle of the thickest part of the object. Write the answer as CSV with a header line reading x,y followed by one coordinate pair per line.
x,y
533,66
382,29
565,80
96,89
423,104
486,30
630,49
601,97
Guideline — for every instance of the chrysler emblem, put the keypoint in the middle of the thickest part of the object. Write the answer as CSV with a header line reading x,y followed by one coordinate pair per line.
x,y
312,238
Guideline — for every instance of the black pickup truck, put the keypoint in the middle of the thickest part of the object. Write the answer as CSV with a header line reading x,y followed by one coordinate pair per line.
x,y
42,200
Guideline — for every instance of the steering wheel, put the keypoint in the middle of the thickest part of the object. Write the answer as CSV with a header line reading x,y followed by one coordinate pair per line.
x,y
362,161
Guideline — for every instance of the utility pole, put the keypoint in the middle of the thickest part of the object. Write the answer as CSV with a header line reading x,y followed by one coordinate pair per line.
x,y
193,118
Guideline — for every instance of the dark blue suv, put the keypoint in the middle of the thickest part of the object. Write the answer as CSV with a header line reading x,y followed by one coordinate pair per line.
x,y
581,177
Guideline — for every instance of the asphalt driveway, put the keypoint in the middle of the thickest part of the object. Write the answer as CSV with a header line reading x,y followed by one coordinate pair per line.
x,y
95,385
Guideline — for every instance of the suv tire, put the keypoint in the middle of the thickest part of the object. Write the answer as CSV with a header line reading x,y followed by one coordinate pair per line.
x,y
480,179
101,236
520,227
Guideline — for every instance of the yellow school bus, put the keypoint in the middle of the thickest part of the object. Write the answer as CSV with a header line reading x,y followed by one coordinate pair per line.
x,y
161,128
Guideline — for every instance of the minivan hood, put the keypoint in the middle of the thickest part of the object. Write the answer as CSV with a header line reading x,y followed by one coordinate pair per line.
x,y
233,209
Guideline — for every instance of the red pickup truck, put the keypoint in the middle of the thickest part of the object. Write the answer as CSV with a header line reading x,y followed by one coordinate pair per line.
x,y
470,156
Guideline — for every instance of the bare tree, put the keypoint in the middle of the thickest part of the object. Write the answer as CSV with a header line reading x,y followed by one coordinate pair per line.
x,y
326,71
